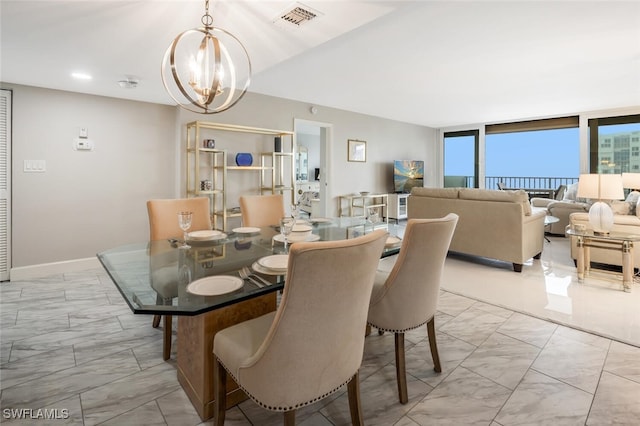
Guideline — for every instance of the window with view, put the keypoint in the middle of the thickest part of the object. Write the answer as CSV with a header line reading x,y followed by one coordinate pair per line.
x,y
533,155
615,144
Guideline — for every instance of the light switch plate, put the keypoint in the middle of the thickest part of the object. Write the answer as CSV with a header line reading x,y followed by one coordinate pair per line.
x,y
35,166
80,144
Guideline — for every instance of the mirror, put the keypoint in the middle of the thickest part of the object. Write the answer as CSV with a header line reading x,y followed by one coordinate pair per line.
x,y
302,164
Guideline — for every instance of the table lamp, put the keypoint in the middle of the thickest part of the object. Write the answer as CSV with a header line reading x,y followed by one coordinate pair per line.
x,y
601,187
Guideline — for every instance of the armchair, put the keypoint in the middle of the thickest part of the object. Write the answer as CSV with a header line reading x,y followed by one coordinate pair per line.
x,y
565,203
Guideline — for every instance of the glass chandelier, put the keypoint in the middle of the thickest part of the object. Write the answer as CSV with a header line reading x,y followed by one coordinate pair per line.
x,y
206,70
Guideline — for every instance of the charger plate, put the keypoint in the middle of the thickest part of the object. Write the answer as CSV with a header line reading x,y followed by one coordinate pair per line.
x,y
280,238
262,270
246,230
206,235
215,285
392,241
320,220
277,262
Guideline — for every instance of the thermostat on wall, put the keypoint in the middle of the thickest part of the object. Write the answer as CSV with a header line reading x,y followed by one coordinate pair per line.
x,y
81,144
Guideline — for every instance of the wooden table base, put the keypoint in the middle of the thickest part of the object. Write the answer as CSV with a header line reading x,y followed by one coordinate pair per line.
x,y
195,350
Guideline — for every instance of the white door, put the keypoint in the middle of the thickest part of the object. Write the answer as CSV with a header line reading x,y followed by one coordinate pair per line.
x,y
5,184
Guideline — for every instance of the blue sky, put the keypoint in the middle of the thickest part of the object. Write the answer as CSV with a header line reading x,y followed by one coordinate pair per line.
x,y
544,153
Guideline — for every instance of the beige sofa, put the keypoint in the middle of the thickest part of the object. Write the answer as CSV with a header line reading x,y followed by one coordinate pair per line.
x,y
494,224
622,223
562,207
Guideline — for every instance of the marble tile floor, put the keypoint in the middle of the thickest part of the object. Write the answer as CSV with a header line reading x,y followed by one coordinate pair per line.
x,y
69,342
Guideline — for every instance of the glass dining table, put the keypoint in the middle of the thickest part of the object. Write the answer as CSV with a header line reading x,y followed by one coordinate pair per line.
x,y
154,278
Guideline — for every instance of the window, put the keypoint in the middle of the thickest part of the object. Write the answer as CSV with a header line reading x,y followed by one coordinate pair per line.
x,y
537,154
614,144
461,159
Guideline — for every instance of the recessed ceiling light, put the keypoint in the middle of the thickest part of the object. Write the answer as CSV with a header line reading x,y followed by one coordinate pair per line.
x,y
81,76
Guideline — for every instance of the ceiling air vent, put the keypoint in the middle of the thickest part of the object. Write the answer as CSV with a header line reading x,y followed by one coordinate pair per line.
x,y
298,14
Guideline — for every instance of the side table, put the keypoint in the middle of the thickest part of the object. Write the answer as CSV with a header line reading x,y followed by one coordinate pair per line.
x,y
548,221
611,241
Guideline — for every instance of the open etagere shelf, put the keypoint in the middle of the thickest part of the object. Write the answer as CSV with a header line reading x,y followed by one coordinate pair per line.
x,y
275,169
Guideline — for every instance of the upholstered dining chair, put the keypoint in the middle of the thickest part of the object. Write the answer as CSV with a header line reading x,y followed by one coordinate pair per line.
x,y
313,343
261,210
406,297
163,223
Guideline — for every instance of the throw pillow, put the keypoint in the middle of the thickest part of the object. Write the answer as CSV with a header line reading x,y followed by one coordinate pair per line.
x,y
620,207
632,199
571,194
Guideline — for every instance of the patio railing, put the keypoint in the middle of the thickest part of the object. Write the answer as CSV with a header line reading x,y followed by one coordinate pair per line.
x,y
513,182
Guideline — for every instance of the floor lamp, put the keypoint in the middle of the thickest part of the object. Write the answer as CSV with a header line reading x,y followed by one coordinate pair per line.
x,y
601,187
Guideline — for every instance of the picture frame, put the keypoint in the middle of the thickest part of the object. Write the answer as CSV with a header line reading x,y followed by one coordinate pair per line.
x,y
356,150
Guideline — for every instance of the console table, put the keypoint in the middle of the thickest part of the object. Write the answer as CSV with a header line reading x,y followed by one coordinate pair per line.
x,y
358,204
611,241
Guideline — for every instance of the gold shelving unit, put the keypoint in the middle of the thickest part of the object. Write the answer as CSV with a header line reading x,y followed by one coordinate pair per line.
x,y
275,169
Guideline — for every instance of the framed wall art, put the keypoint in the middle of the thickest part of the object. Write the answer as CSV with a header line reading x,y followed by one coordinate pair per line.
x,y
356,150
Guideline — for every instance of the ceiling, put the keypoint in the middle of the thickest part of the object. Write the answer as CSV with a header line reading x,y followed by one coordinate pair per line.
x,y
433,63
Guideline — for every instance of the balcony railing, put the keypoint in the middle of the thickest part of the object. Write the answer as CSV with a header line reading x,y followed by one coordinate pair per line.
x,y
532,184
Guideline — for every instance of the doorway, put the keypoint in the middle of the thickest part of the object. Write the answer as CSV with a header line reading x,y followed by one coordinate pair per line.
x,y
317,139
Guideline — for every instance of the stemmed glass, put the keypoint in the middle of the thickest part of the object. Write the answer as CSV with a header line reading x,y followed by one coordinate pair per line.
x,y
184,220
286,225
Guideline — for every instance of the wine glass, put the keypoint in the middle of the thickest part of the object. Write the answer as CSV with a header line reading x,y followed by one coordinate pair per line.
x,y
184,220
286,225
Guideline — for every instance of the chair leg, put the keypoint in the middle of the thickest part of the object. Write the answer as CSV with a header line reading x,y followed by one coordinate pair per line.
x,y
355,406
401,374
219,392
290,418
156,321
166,343
431,331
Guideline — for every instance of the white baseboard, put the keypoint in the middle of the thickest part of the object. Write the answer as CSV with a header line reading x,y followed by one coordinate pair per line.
x,y
45,269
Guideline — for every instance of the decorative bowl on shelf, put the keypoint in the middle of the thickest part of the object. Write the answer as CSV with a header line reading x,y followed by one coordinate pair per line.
x,y
244,159
364,193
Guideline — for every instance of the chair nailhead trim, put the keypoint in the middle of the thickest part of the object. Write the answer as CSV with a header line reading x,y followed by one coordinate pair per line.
x,y
283,409
391,330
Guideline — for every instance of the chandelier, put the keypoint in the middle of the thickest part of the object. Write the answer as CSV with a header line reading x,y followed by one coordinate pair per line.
x,y
206,70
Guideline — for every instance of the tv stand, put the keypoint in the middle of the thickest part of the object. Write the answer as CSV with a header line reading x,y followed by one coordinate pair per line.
x,y
397,206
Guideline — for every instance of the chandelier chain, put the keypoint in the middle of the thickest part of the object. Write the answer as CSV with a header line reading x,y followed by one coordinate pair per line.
x,y
207,20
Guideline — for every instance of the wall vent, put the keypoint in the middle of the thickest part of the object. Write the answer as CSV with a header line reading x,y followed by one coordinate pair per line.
x,y
298,14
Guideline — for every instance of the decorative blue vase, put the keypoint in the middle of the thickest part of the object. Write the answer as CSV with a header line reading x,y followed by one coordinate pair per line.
x,y
244,159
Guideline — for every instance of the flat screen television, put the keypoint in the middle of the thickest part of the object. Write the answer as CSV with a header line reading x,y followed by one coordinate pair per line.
x,y
407,174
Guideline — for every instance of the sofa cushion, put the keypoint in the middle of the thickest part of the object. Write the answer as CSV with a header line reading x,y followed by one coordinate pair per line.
x,y
632,199
517,196
620,207
435,192
571,194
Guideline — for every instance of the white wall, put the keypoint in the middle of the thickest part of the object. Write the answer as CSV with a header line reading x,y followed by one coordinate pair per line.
x,y
87,202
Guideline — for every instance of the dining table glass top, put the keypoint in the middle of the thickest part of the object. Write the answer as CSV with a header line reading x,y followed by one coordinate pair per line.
x,y
154,277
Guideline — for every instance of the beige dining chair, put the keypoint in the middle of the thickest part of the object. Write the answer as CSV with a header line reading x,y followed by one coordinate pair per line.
x,y
406,297
163,223
261,210
313,343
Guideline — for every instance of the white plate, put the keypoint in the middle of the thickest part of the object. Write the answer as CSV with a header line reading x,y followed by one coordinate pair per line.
x,y
206,235
301,227
246,230
392,241
215,285
277,262
320,220
280,238
261,269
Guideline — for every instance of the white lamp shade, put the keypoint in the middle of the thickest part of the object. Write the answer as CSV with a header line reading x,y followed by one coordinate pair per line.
x,y
631,180
600,187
